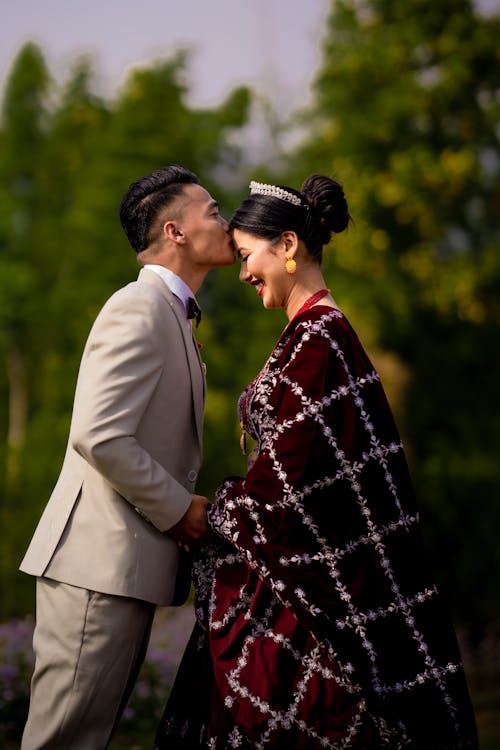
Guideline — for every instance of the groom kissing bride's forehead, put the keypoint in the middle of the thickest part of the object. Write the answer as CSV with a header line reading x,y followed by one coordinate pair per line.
x,y
109,545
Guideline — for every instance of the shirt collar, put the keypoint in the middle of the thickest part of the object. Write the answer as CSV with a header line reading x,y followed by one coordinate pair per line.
x,y
176,285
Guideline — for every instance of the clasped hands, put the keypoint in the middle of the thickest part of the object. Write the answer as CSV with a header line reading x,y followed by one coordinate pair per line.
x,y
192,530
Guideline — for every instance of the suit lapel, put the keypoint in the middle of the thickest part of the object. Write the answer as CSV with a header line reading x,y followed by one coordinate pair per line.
x,y
198,385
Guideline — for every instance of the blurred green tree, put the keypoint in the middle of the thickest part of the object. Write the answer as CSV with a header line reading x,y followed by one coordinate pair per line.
x,y
66,158
22,154
21,168
405,115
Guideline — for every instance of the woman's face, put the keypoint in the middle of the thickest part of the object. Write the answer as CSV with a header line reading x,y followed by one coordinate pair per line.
x,y
263,266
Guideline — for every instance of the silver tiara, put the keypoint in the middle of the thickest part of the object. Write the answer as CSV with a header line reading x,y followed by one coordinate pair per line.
x,y
260,188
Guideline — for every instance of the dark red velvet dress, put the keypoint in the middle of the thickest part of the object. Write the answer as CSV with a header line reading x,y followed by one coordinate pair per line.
x,y
318,624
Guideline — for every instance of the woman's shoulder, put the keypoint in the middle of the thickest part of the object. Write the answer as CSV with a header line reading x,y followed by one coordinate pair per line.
x,y
323,328
321,321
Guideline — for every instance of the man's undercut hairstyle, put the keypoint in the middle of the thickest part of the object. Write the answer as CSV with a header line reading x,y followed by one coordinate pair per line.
x,y
146,198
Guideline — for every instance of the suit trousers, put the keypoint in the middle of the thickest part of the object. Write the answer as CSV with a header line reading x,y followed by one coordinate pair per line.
x,y
89,648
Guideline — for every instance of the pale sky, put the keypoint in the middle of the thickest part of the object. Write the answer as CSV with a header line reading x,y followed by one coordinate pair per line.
x,y
271,45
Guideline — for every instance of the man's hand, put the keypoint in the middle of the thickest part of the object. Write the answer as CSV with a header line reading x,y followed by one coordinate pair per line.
x,y
193,525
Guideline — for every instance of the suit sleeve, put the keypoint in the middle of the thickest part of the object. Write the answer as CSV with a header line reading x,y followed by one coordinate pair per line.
x,y
122,364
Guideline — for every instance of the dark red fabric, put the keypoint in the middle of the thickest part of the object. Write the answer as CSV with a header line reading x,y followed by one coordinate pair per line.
x,y
319,624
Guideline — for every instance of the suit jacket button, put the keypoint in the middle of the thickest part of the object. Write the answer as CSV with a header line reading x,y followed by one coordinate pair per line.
x,y
192,476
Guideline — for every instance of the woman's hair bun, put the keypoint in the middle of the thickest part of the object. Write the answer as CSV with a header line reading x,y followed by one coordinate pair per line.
x,y
327,203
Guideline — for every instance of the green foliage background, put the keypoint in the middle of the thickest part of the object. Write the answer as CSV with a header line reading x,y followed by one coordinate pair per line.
x,y
405,113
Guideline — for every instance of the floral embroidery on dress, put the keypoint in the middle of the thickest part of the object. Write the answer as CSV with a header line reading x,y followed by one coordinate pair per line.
x,y
322,626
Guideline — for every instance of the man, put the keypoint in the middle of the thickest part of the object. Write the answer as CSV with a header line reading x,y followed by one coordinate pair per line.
x,y
106,550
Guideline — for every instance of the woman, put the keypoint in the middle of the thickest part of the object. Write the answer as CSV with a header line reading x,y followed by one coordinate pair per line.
x,y
318,625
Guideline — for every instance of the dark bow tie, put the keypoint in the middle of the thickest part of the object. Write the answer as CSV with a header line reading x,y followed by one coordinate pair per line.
x,y
193,310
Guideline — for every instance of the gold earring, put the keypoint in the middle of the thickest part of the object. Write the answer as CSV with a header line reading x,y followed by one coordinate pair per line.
x,y
290,264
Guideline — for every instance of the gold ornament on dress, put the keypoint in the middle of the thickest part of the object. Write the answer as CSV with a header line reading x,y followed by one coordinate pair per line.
x,y
243,440
290,264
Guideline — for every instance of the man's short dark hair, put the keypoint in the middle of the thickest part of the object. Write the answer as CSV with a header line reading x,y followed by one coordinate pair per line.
x,y
146,197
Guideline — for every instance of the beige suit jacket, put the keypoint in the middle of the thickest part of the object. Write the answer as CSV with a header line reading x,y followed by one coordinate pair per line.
x,y
133,454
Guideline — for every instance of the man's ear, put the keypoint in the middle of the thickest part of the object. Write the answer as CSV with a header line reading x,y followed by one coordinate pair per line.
x,y
172,232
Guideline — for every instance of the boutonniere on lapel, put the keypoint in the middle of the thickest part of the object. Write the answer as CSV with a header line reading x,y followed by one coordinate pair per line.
x,y
203,364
